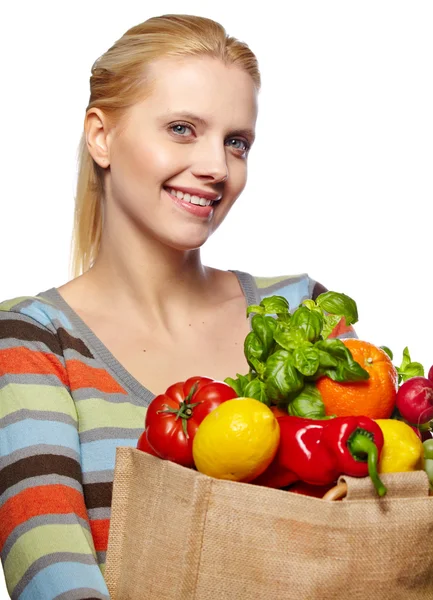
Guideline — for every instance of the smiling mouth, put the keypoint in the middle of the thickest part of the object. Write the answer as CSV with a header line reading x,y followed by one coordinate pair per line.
x,y
192,199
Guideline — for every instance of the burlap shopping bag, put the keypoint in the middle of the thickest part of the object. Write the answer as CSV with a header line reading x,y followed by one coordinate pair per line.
x,y
178,534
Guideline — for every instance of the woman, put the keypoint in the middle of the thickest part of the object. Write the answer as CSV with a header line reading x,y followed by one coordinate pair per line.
x,y
167,133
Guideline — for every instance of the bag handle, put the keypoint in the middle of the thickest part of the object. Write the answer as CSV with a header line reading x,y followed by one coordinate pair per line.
x,y
411,484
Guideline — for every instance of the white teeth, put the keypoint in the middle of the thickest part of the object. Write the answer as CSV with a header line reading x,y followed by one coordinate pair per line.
x,y
192,199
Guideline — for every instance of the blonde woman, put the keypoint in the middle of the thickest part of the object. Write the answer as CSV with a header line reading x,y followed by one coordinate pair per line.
x,y
164,154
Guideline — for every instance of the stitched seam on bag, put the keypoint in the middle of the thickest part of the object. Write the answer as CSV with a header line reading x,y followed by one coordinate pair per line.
x,y
204,522
126,458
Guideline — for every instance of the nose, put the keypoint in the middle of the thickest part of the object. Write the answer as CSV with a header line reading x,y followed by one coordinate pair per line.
x,y
211,163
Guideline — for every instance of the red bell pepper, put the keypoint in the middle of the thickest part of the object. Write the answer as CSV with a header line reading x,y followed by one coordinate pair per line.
x,y
319,451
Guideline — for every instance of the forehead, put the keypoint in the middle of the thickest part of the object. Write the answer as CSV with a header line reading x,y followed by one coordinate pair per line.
x,y
203,86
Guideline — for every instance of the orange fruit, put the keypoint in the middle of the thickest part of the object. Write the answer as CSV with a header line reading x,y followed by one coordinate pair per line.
x,y
374,397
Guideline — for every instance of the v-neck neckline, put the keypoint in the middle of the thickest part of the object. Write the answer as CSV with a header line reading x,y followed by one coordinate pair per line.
x,y
100,351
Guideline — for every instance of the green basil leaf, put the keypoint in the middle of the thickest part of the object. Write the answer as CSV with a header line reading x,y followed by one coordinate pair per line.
x,y
239,384
348,371
309,321
306,360
336,303
325,359
253,348
289,338
272,322
257,366
255,308
347,368
334,347
329,324
257,389
308,404
235,384
281,376
406,359
265,333
310,304
275,305
409,369
387,351
413,369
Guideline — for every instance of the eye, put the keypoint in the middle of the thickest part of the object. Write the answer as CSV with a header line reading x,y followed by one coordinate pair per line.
x,y
238,140
178,128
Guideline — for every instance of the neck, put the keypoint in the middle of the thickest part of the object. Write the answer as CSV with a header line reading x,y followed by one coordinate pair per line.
x,y
150,280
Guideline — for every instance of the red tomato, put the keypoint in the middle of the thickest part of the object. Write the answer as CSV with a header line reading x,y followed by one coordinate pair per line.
x,y
144,445
173,418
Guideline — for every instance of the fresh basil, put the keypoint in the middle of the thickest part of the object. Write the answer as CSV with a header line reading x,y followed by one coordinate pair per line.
x,y
409,369
281,376
311,322
338,304
308,403
288,352
257,389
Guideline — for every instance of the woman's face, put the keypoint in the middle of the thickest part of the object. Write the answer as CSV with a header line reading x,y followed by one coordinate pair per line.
x,y
191,134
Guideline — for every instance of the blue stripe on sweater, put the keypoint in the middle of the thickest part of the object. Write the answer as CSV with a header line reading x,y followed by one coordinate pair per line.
x,y
294,293
31,432
101,455
46,314
62,577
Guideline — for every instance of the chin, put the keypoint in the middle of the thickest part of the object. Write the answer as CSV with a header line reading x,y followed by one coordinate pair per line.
x,y
186,244
184,238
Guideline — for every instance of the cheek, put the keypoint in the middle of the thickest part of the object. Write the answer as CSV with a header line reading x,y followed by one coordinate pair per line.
x,y
134,161
238,177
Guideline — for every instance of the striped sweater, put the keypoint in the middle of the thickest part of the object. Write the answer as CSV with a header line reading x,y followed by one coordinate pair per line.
x,y
65,405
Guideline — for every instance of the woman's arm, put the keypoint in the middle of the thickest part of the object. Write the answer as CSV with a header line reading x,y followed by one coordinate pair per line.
x,y
46,544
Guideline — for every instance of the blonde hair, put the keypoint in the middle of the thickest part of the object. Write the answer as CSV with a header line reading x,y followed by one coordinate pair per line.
x,y
117,83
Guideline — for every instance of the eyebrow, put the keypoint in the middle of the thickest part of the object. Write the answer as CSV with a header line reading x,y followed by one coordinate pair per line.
x,y
249,133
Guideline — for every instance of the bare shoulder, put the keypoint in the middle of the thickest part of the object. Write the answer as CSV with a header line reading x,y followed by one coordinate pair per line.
x,y
225,287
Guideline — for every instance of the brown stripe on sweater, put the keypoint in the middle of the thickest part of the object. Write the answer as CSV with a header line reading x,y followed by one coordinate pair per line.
x,y
318,289
42,464
72,343
98,495
28,332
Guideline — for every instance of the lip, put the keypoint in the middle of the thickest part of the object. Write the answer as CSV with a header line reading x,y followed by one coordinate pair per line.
x,y
195,192
204,212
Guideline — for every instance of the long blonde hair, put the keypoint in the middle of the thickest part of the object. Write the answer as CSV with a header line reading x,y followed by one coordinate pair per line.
x,y
117,83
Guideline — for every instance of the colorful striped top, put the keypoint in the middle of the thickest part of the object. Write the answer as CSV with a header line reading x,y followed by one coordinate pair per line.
x,y
65,405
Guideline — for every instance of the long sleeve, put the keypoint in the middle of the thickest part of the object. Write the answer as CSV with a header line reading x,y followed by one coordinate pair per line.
x,y
46,544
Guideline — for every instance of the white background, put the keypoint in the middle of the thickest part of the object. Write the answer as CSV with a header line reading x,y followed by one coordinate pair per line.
x,y
340,178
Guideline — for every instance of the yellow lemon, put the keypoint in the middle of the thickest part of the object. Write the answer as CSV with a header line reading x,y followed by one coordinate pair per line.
x,y
237,440
402,449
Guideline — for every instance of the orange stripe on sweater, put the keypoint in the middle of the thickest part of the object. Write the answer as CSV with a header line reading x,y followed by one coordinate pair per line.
x,y
341,328
83,376
21,360
100,529
41,500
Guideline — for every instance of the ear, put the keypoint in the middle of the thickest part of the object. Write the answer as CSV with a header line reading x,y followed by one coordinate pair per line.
x,y
97,132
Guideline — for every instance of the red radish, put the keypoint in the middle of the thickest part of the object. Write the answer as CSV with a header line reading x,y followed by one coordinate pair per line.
x,y
415,400
430,373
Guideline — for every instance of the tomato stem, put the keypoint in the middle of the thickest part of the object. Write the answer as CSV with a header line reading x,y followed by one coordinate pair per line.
x,y
185,410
